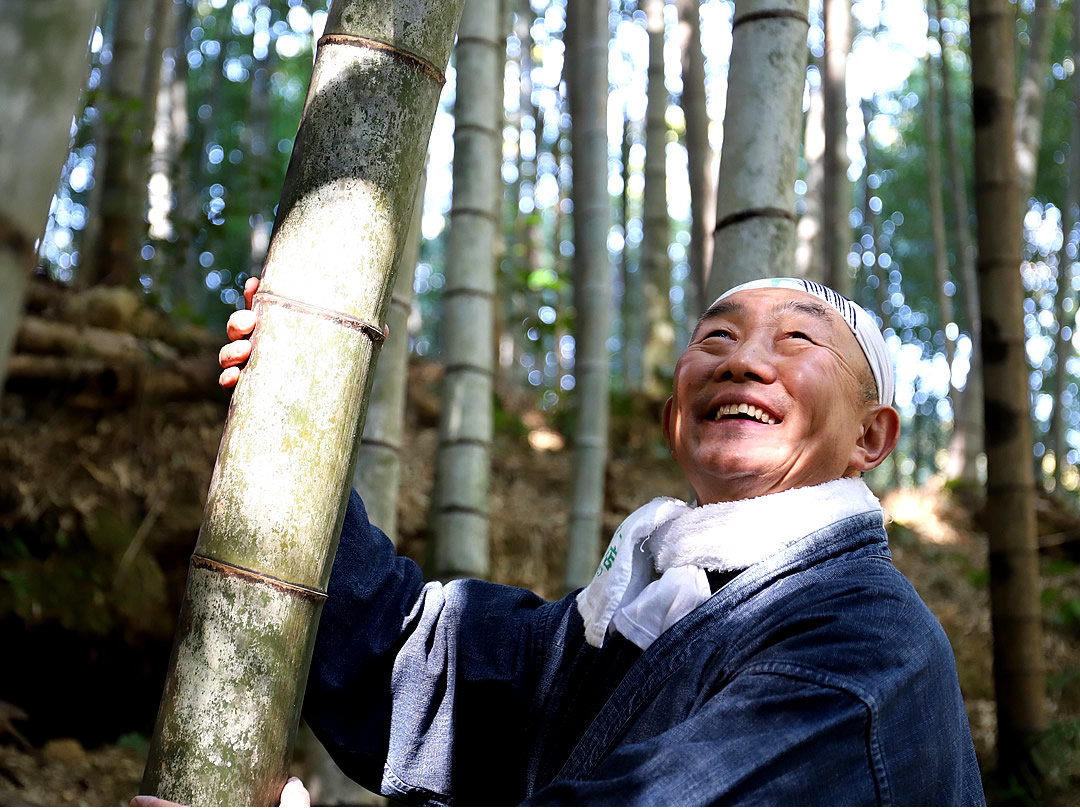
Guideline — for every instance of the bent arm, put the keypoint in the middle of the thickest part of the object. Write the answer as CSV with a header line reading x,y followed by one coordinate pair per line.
x,y
420,690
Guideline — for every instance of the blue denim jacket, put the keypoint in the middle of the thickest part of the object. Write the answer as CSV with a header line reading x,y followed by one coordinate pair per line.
x,y
817,676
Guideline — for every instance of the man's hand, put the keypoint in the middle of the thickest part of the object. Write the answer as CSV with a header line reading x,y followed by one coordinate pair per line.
x,y
294,794
241,324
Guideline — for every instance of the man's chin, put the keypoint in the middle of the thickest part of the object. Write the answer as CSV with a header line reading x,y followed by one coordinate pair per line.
x,y
738,481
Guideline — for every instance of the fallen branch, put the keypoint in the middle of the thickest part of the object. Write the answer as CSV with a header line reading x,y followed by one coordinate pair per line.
x,y
97,382
41,336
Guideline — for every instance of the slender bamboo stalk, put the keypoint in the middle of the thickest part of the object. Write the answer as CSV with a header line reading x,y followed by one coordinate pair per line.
x,y
1031,97
378,465
124,176
1066,323
755,227
592,285
276,502
463,460
699,155
809,255
633,307
937,212
836,189
967,440
1019,671
658,353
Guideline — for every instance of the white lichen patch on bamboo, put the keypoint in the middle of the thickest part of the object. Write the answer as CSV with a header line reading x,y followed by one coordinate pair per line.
x,y
228,679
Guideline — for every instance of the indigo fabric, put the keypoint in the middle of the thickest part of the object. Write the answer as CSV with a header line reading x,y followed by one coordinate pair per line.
x,y
816,677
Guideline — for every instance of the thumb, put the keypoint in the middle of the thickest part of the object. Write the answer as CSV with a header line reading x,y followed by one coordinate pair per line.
x,y
294,794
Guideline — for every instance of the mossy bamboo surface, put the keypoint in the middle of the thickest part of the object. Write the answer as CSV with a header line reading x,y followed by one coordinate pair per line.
x,y
277,496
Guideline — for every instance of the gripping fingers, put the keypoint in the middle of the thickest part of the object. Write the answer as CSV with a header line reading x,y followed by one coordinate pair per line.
x,y
294,794
251,286
241,324
235,353
229,377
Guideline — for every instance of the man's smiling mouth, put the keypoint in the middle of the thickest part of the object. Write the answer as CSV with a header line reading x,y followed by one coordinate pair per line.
x,y
743,411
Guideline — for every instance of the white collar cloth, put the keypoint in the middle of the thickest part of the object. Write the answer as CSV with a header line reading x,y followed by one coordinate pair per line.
x,y
681,541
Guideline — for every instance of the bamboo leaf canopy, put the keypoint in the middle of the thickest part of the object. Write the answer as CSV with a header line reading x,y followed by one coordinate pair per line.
x,y
277,497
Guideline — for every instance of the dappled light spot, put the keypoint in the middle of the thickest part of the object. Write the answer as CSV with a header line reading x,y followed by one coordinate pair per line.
x,y
927,513
545,439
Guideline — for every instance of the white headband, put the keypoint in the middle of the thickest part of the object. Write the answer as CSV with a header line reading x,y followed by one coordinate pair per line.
x,y
862,324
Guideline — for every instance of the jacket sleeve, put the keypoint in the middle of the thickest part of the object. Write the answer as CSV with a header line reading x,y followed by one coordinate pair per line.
x,y
420,690
765,738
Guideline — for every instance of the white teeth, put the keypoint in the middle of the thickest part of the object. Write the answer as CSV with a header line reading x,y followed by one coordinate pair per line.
x,y
742,408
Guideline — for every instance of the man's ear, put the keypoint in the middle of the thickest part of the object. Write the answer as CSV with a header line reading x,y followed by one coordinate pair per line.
x,y
880,433
668,427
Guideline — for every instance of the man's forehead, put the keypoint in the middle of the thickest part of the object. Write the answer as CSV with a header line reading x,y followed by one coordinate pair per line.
x,y
860,324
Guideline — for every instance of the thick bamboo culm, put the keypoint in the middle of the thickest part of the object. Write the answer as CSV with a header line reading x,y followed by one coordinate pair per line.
x,y
755,214
277,498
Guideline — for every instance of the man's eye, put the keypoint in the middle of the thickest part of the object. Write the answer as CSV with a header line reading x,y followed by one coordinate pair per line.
x,y
800,336
720,333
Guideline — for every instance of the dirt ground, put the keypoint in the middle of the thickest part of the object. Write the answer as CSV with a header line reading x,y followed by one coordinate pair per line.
x,y
100,511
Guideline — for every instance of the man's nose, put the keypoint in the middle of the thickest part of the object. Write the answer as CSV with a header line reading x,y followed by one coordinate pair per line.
x,y
751,359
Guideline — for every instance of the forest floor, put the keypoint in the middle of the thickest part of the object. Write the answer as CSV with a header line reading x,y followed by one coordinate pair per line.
x,y
100,508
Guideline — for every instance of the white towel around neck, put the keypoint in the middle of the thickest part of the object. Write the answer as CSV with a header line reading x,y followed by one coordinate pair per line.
x,y
681,541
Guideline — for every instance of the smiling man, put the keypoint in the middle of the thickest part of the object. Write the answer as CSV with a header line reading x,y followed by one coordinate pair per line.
x,y
812,410
755,647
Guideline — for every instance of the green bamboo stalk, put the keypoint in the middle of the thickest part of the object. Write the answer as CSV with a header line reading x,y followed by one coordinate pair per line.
x,y
836,189
277,497
1012,531
755,197
592,285
463,460
378,466
658,352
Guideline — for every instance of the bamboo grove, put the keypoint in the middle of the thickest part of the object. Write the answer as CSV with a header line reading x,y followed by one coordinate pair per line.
x,y
588,180
212,110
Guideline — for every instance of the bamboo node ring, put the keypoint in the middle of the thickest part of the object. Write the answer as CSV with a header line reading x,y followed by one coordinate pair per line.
x,y
773,14
752,213
378,45
375,333
239,572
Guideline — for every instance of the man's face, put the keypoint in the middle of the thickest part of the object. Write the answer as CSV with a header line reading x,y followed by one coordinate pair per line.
x,y
768,396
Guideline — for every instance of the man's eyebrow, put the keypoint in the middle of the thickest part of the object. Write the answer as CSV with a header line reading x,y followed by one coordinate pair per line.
x,y
724,307
811,308
814,309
